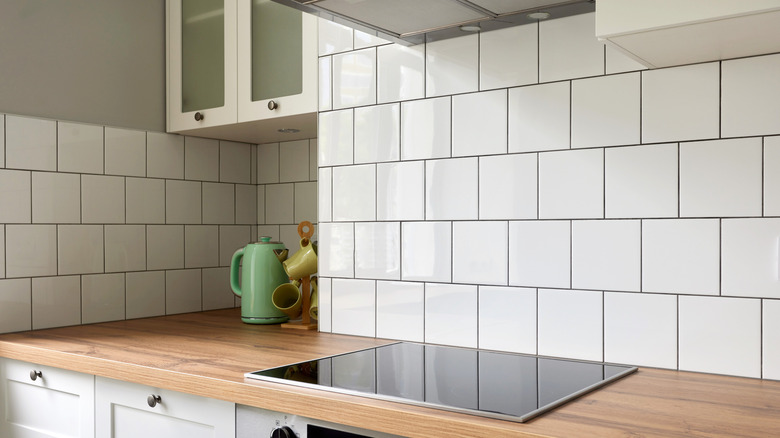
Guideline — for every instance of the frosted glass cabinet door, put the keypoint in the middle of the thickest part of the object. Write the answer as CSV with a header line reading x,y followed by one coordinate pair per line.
x,y
277,60
58,403
201,63
122,411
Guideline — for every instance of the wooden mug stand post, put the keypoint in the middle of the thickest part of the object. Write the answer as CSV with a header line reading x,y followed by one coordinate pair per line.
x,y
306,322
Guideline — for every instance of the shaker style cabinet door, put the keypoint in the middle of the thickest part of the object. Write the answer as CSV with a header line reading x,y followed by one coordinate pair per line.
x,y
38,401
129,410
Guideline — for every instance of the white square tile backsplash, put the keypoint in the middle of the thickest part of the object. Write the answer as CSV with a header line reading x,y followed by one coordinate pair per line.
x,y
751,96
400,72
30,143
79,148
15,188
571,184
451,314
539,117
508,57
605,111
479,123
451,66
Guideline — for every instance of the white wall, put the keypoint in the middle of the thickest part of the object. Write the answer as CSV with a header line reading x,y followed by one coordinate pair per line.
x,y
528,190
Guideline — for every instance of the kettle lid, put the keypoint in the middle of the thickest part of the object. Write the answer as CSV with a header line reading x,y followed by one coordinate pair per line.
x,y
266,239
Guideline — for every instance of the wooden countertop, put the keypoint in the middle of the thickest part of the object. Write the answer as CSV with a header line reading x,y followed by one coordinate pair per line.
x,y
208,353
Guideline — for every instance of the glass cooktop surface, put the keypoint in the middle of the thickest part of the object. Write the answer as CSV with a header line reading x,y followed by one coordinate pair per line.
x,y
506,386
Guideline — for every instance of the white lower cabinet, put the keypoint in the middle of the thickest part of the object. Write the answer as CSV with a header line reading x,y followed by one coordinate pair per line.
x,y
38,401
123,410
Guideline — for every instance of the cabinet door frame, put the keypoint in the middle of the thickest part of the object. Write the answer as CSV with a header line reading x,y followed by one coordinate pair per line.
x,y
226,114
304,102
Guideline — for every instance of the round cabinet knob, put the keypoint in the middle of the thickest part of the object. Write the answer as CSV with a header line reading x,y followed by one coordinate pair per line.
x,y
272,105
199,116
34,374
283,432
153,399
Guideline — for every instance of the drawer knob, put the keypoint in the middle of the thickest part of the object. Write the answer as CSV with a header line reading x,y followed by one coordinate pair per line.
x,y
272,105
199,116
34,374
153,399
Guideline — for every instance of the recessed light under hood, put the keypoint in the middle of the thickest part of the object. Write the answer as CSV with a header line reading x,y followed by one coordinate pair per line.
x,y
411,22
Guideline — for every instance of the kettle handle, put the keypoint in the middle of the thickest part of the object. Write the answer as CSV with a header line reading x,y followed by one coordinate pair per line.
x,y
234,263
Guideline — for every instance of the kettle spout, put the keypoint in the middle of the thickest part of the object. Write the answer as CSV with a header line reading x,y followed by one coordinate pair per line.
x,y
281,254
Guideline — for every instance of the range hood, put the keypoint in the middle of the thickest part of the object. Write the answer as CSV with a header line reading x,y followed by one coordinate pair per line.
x,y
410,22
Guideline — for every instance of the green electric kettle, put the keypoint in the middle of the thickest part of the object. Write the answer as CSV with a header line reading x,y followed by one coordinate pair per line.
x,y
262,272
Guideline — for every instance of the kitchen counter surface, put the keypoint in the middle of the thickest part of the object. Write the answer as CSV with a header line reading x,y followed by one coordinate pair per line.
x,y
207,354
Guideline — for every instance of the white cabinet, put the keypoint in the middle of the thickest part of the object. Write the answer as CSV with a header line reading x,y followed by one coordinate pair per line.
x,y
38,401
123,410
241,70
662,33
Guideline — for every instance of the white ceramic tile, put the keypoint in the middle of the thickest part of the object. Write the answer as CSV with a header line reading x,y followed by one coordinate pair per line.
x,y
218,203
79,249
164,247
294,161
772,176
260,204
377,133
400,310
570,324
325,195
313,166
605,111
56,302
426,251
201,159
539,117
642,181
507,319
16,307
335,138
509,57
231,239
479,252
216,289
452,189
680,103
235,163
246,204
354,79
771,340
125,152
2,252
618,62
363,39
640,329
288,235
354,307
681,256
79,148
102,199
271,231
279,204
721,178
750,98
336,254
164,155
425,129
268,163
145,294
145,203
751,257
568,48
354,193
2,140
102,298
201,246
571,184
15,196
56,197
182,291
540,253
400,72
30,250
333,37
325,298
451,314
30,143
507,187
182,202
325,97
452,66
720,335
305,202
606,255
378,250
400,191
479,123
125,248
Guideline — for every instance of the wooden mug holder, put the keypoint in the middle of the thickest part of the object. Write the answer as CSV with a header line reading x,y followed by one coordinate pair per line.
x,y
305,230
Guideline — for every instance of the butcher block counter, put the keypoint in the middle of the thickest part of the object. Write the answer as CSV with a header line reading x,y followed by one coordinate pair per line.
x,y
207,354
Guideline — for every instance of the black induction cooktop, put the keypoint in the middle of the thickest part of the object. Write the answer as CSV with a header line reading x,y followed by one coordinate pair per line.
x,y
506,386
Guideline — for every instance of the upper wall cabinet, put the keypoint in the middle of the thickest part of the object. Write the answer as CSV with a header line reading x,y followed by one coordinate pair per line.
x,y
241,70
662,33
